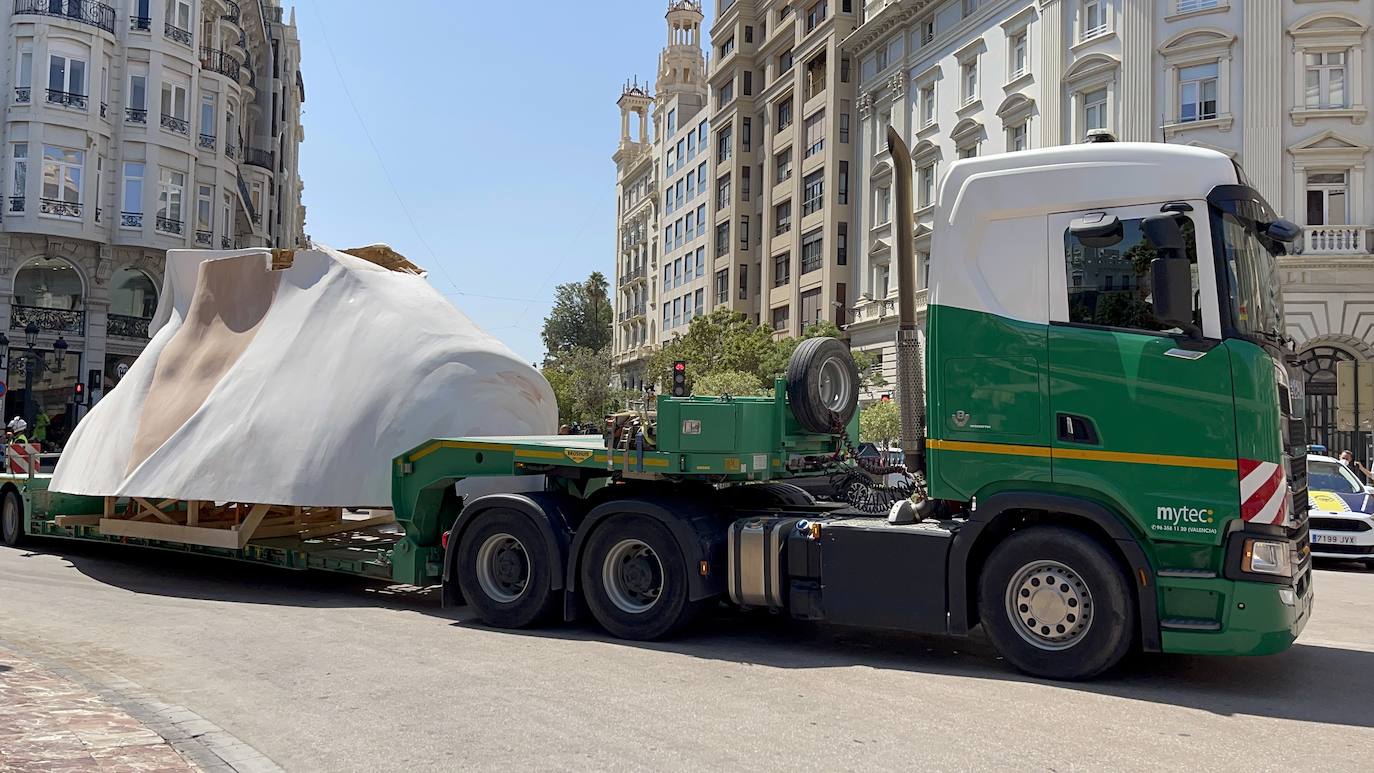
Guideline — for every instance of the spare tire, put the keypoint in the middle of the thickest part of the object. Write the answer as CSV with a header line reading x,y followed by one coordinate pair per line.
x,y
822,385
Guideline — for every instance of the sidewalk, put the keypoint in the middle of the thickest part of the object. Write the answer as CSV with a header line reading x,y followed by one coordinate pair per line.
x,y
50,723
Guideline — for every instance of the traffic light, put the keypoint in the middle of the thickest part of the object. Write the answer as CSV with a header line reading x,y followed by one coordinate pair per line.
x,y
79,395
679,379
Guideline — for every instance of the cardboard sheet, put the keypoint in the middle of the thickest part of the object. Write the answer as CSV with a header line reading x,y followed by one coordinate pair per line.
x,y
296,386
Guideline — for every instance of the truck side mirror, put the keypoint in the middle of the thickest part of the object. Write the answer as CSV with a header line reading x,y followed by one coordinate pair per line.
x,y
1097,230
1171,282
1285,231
1165,235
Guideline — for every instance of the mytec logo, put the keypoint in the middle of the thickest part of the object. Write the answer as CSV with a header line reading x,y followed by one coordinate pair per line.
x,y
1185,515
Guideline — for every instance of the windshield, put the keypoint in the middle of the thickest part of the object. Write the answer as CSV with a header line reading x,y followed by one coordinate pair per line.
x,y
1333,477
1250,260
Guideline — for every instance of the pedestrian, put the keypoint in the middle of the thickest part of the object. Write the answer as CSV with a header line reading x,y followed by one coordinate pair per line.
x,y
1348,459
17,424
40,426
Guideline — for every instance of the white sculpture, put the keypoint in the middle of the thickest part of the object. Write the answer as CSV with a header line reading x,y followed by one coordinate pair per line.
x,y
296,385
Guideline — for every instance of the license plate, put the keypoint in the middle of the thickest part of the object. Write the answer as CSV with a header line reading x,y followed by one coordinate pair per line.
x,y
1333,539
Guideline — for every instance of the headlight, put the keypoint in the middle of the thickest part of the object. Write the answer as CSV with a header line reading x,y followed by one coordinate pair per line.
x,y
1266,557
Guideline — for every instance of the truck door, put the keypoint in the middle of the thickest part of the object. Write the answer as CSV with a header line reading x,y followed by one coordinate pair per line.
x,y
1143,416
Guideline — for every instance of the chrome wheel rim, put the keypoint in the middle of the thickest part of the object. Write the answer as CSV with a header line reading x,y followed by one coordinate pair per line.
x,y
632,575
1049,605
834,385
503,568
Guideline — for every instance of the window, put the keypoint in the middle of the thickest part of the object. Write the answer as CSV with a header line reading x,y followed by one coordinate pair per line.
x,y
723,239
668,202
882,281
723,285
1019,58
842,245
880,59
784,61
724,145
171,189
1095,110
812,255
20,178
842,189
882,205
132,213
678,198
784,114
691,185
748,34
1016,137
1110,286
1197,92
701,134
174,101
1325,79
179,14
748,82
927,31
701,220
677,312
205,214
691,225
1327,198
968,151
815,134
701,176
782,162
813,192
701,262
782,218
700,307
691,146
207,115
62,181
744,232
927,97
728,47
723,191
66,80
815,76
815,15
780,321
844,121
746,125
743,282
810,308
672,121
744,184
926,186
667,276
677,234
726,95
1093,19
1188,6
968,77
782,269
969,7
845,68
24,78
677,273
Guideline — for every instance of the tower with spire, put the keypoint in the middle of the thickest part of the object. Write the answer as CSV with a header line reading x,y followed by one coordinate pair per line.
x,y
681,81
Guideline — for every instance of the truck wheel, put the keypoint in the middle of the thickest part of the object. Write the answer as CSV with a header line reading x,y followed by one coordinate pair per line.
x,y
12,519
822,385
635,579
504,570
1055,604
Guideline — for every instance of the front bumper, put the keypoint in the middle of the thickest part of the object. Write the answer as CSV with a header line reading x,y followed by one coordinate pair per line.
x,y
1257,618
1346,543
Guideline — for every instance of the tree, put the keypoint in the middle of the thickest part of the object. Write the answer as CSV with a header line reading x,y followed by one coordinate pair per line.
x,y
723,340
880,423
581,317
581,381
727,382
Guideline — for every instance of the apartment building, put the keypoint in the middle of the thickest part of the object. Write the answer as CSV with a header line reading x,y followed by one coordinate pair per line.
x,y
132,128
1277,85
781,146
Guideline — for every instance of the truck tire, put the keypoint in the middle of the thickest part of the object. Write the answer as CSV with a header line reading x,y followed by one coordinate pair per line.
x,y
11,519
822,385
1056,604
504,570
635,579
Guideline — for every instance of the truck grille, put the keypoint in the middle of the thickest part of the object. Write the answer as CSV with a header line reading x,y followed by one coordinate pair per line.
x,y
1337,524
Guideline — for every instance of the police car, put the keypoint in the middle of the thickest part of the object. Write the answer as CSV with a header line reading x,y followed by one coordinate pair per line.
x,y
1340,522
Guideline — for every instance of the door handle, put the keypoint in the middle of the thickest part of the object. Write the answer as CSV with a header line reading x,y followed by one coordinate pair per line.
x,y
1073,428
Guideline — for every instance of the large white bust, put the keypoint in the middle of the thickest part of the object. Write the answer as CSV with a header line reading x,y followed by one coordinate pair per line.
x,y
296,385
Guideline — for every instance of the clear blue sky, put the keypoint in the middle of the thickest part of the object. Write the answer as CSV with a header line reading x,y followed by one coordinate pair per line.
x,y
496,121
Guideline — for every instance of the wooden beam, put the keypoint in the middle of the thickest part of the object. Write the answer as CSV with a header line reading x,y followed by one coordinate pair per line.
x,y
153,510
193,513
190,535
255,516
109,507
343,526
66,521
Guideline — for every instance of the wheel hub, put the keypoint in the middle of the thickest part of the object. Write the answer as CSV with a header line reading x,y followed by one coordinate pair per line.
x,y
503,568
632,576
1049,605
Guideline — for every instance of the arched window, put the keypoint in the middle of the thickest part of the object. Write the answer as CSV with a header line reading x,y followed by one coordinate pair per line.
x,y
1319,382
133,294
48,283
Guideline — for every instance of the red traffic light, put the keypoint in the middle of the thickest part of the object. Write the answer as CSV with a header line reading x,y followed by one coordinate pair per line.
x,y
679,366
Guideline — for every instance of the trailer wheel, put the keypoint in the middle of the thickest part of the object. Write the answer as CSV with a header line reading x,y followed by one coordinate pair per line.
x,y
635,579
1056,604
822,384
12,519
504,570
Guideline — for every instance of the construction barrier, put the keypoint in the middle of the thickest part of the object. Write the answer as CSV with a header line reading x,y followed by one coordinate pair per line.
x,y
22,458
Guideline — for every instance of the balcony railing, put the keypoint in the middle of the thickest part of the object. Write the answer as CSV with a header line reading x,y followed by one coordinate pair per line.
x,y
135,115
234,12
632,312
67,99
22,95
178,125
231,150
258,158
104,109
206,141
205,238
632,275
84,11
57,320
130,219
141,23
16,203
124,326
169,226
221,62
59,207
225,243
173,32
1335,239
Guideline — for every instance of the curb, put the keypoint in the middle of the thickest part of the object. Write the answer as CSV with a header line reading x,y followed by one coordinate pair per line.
x,y
202,742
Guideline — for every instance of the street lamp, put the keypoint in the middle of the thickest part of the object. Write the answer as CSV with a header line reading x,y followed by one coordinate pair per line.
x,y
36,361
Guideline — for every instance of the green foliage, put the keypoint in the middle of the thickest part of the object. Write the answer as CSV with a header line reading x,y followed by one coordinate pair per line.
x,y
727,382
581,317
880,423
581,380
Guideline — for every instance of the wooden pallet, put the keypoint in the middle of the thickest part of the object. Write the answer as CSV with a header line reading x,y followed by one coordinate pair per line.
x,y
228,525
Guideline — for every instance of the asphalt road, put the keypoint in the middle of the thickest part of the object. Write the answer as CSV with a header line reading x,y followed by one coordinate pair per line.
x,y
329,673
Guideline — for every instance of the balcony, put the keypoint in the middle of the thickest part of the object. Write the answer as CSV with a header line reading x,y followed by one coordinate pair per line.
x,y
56,320
67,99
83,11
225,243
130,219
1335,240
234,12
178,125
60,208
633,275
259,158
123,326
633,312
141,23
205,239
16,203
167,225
206,142
22,95
175,33
221,62
135,115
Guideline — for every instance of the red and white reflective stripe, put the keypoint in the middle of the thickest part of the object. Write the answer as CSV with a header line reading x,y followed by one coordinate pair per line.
x,y
22,458
1263,492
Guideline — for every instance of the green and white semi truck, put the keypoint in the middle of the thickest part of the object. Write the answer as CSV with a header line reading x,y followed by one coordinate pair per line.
x,y
1112,455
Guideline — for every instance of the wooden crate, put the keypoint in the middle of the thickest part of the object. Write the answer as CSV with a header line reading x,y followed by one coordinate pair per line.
x,y
220,524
